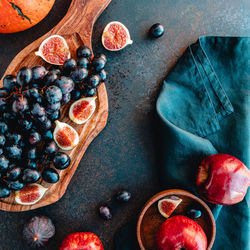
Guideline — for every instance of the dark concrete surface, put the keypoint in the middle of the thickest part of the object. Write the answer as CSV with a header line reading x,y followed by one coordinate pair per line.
x,y
124,155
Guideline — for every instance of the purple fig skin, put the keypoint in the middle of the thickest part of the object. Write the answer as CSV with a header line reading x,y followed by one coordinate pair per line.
x,y
38,231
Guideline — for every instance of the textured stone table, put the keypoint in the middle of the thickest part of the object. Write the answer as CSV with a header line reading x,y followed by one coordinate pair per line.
x,y
124,155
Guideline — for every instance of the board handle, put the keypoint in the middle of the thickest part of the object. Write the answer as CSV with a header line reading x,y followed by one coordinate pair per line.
x,y
81,17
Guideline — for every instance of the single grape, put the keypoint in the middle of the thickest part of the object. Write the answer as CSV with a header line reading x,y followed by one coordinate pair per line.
x,y
76,94
105,212
123,196
4,163
31,154
68,66
54,116
13,173
79,74
13,138
20,105
30,175
34,138
50,175
102,56
25,124
9,82
61,160
13,152
4,191
53,107
65,84
83,62
83,51
98,63
93,81
24,76
50,148
66,98
38,73
51,77
45,125
34,93
53,94
157,30
31,164
103,75
48,135
37,110
89,92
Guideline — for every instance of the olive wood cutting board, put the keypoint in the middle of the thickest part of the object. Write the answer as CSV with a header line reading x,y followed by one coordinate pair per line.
x,y
76,27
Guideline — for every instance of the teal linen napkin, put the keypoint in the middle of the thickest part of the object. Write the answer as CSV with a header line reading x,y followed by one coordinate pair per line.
x,y
204,109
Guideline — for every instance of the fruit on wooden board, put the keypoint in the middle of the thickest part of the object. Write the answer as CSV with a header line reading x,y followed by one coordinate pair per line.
x,y
65,136
30,194
81,240
38,230
181,232
81,110
54,50
18,15
30,103
222,179
167,205
115,36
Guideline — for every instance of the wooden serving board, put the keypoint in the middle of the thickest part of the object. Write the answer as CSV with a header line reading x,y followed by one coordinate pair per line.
x,y
76,27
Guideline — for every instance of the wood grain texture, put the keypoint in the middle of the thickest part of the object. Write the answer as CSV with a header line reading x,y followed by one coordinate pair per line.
x,y
76,27
150,219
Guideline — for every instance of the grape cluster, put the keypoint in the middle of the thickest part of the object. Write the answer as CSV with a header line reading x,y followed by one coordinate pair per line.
x,y
29,104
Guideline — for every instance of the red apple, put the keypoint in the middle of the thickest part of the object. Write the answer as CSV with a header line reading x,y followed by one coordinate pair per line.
x,y
83,241
181,232
222,179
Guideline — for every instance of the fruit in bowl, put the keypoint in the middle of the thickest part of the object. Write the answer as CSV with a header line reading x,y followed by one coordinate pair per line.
x,y
222,179
81,240
181,232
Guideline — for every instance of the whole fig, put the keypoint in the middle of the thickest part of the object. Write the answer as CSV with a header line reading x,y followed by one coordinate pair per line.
x,y
38,231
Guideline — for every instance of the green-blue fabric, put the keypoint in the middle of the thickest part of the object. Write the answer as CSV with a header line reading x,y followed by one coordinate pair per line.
x,y
204,107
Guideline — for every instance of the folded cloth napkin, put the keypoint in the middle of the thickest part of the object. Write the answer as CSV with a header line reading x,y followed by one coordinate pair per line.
x,y
204,109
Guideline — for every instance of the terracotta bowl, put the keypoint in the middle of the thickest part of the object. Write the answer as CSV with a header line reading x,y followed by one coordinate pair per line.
x,y
150,219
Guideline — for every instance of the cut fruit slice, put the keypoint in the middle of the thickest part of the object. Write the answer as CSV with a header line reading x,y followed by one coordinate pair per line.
x,y
167,205
54,50
30,194
81,110
115,36
65,136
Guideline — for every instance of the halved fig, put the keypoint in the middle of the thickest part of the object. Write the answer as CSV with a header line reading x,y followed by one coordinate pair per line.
x,y
167,205
30,194
65,136
54,50
115,36
81,110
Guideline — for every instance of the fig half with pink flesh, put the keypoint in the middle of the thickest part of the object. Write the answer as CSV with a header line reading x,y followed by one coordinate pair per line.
x,y
167,205
65,136
222,179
